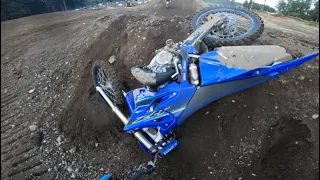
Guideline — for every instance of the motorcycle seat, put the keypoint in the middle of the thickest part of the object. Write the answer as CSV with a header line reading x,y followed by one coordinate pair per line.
x,y
251,57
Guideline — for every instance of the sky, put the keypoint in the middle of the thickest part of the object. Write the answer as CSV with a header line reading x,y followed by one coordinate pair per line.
x,y
271,3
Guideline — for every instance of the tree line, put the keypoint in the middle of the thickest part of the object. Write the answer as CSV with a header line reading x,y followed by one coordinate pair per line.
x,y
13,9
259,7
304,9
233,3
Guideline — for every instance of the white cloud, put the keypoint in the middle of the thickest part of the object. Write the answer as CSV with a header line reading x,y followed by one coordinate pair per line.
x,y
271,3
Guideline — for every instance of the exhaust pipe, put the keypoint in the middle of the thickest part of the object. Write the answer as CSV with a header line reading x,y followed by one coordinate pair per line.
x,y
125,120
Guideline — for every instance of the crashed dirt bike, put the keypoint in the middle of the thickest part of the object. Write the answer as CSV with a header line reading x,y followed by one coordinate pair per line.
x,y
184,77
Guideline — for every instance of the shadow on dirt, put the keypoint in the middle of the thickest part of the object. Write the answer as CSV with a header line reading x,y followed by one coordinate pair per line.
x,y
290,146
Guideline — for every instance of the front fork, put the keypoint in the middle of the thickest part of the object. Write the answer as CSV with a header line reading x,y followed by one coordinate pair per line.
x,y
125,120
164,146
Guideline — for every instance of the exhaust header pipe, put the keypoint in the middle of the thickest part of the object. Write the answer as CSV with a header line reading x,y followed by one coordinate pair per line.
x,y
125,120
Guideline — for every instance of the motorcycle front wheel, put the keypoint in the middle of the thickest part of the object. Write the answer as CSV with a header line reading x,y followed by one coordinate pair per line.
x,y
105,76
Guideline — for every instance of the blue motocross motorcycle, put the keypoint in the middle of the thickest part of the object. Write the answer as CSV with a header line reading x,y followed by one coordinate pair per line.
x,y
184,77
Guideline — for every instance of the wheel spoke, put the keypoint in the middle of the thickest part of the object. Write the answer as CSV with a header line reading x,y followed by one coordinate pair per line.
x,y
236,24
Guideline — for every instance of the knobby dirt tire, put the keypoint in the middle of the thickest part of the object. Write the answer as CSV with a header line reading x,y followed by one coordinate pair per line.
x,y
112,78
247,39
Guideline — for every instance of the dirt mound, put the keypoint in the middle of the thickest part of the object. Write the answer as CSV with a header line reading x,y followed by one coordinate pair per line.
x,y
54,126
132,40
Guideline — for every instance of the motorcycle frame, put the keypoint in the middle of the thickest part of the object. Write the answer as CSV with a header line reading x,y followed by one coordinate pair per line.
x,y
169,107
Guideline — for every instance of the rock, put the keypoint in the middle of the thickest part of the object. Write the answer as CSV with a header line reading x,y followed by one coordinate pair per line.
x,y
276,107
32,90
233,101
253,174
73,175
206,113
59,140
69,169
301,78
209,168
315,116
272,35
211,172
33,127
112,59
73,150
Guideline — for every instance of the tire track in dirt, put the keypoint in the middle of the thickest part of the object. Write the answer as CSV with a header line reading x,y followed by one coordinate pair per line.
x,y
18,155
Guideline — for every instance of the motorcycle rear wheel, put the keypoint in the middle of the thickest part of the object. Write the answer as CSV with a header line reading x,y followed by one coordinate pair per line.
x,y
254,32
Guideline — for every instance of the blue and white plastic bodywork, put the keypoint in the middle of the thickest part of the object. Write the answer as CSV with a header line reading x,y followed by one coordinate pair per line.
x,y
169,107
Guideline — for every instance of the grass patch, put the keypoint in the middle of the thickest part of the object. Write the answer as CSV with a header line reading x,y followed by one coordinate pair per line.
x,y
311,23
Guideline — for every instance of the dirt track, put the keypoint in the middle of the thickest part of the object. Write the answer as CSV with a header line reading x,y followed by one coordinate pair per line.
x,y
53,126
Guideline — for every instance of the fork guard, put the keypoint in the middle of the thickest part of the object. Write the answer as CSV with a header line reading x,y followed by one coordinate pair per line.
x,y
125,120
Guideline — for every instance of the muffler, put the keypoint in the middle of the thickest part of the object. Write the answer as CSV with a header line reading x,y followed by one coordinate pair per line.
x,y
125,120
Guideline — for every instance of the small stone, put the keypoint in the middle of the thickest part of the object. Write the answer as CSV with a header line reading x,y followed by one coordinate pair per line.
x,y
32,90
233,101
96,144
276,107
59,140
84,23
12,126
301,78
33,127
73,175
253,174
112,59
209,168
144,38
49,169
73,150
211,172
315,116
206,113
69,169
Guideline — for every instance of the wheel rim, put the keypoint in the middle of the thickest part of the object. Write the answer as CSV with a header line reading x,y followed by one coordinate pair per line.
x,y
238,24
102,81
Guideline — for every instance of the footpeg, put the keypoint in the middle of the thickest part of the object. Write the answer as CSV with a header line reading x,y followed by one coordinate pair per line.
x,y
169,147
